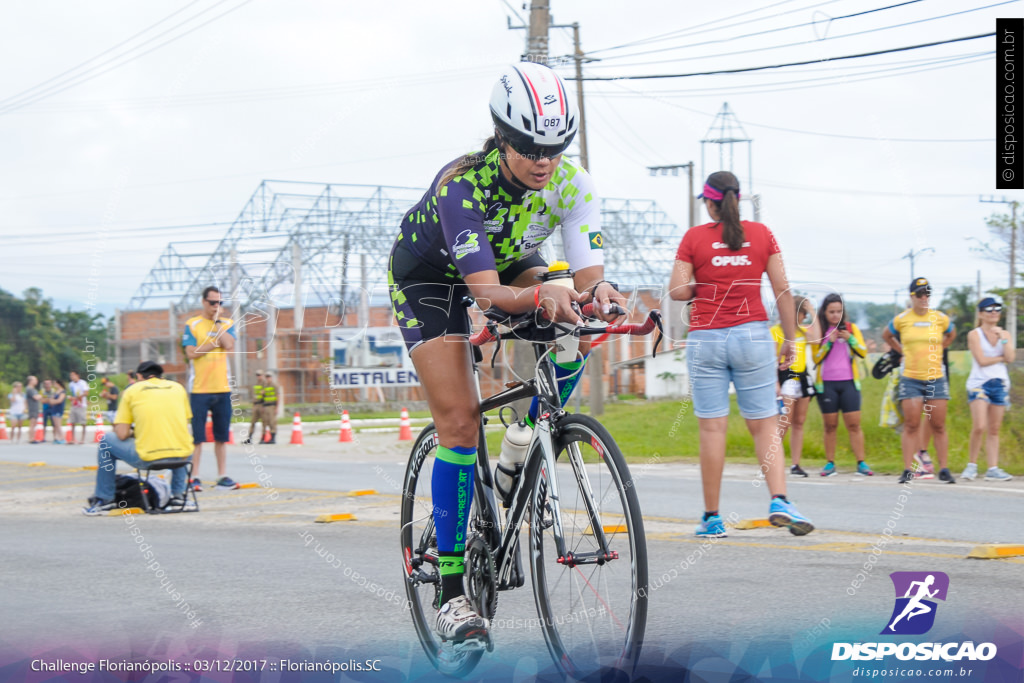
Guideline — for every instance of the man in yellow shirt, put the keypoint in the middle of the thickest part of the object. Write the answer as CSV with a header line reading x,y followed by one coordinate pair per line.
x,y
160,412
207,340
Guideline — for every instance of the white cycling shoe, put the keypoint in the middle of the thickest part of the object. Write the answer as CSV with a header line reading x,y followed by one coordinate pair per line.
x,y
458,623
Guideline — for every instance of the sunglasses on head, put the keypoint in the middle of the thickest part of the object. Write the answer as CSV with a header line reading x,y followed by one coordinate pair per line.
x,y
996,308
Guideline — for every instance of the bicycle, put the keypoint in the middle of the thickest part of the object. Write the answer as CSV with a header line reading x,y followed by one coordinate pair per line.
x,y
587,548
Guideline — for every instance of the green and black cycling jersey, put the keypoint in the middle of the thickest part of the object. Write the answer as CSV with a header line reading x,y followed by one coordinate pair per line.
x,y
480,221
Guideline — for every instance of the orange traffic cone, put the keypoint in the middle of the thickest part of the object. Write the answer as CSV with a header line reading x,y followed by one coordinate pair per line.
x,y
231,435
3,428
404,427
297,430
99,428
40,434
266,436
209,429
69,435
346,428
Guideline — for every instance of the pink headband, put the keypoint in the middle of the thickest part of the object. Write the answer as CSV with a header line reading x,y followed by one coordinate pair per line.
x,y
716,195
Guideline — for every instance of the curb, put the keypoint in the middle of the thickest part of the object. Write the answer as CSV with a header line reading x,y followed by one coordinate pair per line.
x,y
995,551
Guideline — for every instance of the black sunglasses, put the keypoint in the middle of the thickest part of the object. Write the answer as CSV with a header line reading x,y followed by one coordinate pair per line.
x,y
993,309
923,293
533,152
219,302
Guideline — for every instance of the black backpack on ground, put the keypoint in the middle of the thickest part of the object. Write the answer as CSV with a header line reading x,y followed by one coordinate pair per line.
x,y
127,492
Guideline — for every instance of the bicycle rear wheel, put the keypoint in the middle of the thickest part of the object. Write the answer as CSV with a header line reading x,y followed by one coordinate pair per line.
x,y
592,602
419,559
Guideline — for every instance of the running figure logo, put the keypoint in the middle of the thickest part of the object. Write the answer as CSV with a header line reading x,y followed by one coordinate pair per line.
x,y
914,613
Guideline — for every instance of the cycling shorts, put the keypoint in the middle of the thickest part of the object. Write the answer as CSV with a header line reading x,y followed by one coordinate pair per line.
x,y
427,304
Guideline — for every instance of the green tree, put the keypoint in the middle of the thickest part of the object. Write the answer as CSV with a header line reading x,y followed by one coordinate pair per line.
x,y
37,339
960,304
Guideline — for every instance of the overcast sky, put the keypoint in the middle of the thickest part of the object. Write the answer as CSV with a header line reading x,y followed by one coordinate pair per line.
x,y
857,161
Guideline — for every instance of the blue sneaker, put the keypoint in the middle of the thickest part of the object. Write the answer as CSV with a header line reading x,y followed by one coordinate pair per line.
x,y
98,507
784,513
712,526
829,469
864,470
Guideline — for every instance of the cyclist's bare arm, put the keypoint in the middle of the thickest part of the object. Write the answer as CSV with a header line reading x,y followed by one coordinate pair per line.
x,y
554,299
591,279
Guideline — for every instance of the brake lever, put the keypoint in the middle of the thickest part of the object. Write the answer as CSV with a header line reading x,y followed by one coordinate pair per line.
x,y
661,332
497,345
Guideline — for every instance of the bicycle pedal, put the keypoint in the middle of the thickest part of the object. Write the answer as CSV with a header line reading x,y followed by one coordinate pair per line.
x,y
473,645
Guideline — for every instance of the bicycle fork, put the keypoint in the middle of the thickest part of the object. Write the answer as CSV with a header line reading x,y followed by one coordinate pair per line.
x,y
566,556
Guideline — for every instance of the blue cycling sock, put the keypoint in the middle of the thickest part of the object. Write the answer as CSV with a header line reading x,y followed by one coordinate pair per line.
x,y
568,376
452,490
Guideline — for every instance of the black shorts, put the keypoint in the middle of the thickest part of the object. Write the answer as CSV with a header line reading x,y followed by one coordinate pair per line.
x,y
427,304
839,396
806,388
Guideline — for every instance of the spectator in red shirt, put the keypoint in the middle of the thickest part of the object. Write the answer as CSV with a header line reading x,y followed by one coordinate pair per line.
x,y
718,268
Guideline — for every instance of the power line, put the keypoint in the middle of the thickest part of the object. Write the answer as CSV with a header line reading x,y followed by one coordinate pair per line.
x,y
776,30
801,43
781,66
259,94
825,81
682,33
69,83
16,96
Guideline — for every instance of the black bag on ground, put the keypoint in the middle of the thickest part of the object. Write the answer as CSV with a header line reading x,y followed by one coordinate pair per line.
x,y
127,492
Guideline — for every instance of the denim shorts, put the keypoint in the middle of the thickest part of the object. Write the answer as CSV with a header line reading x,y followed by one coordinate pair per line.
x,y
928,389
744,355
993,391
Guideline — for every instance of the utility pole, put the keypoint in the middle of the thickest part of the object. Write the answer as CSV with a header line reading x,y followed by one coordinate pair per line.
x,y
537,40
672,308
537,51
911,254
1011,295
577,55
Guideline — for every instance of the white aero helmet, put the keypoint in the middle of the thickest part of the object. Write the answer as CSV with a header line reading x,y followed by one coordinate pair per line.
x,y
532,111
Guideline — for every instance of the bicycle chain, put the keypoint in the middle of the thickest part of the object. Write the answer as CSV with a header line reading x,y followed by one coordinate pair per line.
x,y
481,577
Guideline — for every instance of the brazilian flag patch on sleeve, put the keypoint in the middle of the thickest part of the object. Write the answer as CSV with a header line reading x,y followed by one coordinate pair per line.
x,y
596,241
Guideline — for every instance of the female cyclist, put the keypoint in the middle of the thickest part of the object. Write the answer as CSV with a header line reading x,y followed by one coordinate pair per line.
x,y
476,232
988,387
795,385
919,334
837,380
729,341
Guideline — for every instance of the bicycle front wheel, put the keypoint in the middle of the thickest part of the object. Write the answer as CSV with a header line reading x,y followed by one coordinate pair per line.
x,y
419,555
591,599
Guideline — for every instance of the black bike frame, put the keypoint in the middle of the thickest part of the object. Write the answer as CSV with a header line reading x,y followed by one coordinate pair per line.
x,y
503,541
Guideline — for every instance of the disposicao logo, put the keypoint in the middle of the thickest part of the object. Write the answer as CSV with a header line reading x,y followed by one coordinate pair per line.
x,y
914,614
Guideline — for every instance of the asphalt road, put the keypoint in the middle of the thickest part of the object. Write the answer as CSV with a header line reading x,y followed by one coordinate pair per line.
x,y
246,579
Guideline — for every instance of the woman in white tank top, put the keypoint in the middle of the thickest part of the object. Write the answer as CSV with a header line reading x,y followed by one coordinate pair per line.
x,y
988,388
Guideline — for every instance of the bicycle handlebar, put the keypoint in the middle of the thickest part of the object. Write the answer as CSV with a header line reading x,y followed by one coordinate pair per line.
x,y
521,326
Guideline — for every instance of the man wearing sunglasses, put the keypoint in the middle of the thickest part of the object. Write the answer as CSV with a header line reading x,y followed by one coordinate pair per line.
x,y
920,334
476,232
207,340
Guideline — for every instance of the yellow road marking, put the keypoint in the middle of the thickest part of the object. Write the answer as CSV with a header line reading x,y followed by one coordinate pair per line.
x,y
345,517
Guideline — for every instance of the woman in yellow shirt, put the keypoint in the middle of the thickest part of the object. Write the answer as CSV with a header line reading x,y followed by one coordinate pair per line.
x,y
920,333
795,385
